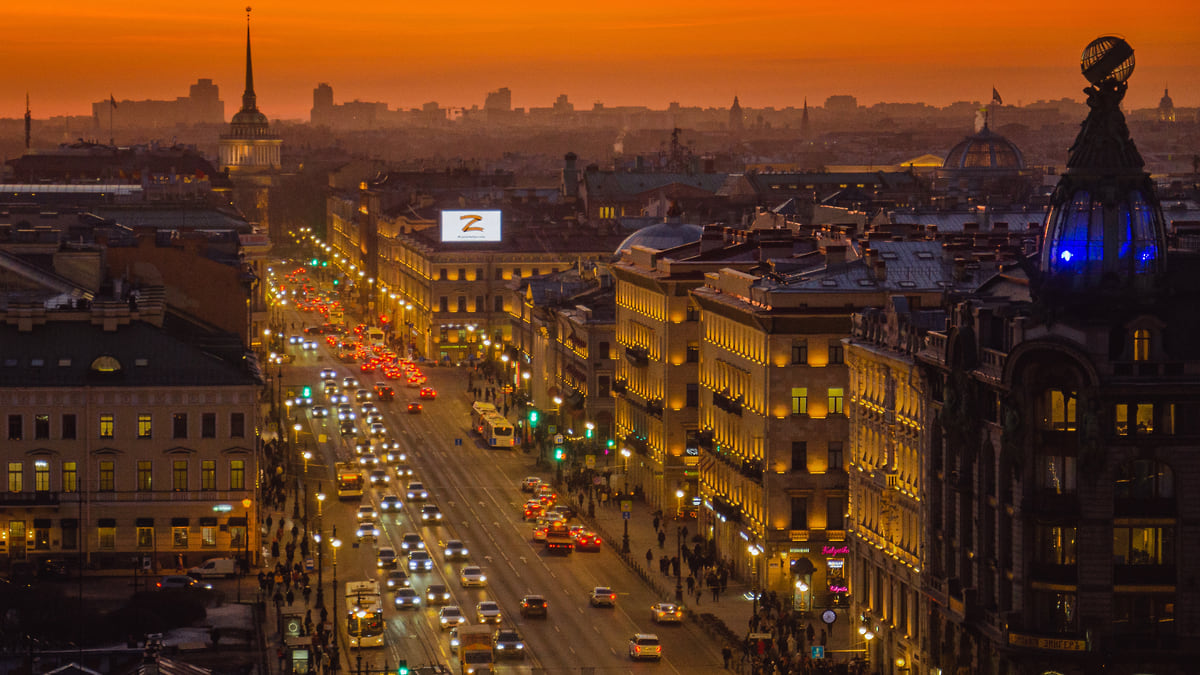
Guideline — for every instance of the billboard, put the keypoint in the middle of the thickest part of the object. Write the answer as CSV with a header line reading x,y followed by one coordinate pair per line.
x,y
470,226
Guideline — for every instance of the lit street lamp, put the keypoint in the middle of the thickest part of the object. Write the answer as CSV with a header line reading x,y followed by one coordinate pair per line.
x,y
625,537
320,571
245,563
307,456
320,503
679,556
754,550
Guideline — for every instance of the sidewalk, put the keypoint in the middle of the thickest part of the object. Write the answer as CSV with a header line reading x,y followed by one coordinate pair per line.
x,y
728,618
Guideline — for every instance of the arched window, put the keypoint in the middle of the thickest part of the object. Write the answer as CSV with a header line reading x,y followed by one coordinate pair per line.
x,y
1144,479
1058,410
1141,345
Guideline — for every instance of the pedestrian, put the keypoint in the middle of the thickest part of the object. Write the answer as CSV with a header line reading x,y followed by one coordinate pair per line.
x,y
727,654
649,556
290,597
656,521
662,538
699,594
809,632
691,584
716,593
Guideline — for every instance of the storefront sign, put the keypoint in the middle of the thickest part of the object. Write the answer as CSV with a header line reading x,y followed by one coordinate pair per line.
x,y
835,550
835,588
1055,644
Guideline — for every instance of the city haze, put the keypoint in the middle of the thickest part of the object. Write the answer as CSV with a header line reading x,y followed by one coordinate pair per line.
x,y
68,53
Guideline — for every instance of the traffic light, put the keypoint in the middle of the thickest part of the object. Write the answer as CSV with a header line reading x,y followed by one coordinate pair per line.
x,y
324,263
314,262
533,418
306,392
589,432
558,453
335,282
402,667
611,444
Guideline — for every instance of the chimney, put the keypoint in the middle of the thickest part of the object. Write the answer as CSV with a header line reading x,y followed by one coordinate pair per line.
x,y
570,177
835,254
712,238
880,270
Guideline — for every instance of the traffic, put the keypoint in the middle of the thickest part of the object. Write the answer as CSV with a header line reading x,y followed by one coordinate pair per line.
x,y
446,565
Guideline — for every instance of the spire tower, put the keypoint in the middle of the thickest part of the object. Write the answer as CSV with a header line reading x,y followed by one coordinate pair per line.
x,y
249,100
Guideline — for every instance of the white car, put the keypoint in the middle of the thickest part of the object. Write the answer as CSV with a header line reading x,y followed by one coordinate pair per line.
x,y
390,502
645,646
407,598
327,374
450,616
666,612
378,430
431,514
350,382
488,612
419,561
367,512
367,530
456,550
416,491
412,541
472,576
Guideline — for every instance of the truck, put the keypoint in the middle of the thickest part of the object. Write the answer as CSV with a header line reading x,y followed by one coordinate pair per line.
x,y
475,649
558,537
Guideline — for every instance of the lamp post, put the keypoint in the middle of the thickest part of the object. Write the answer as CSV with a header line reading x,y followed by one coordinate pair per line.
x,y
307,456
625,536
320,504
320,570
336,544
245,564
679,556
296,438
754,550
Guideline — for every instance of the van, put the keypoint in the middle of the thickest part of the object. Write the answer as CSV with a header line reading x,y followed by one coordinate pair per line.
x,y
215,567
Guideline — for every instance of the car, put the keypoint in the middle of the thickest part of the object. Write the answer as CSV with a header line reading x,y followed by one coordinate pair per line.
x,y
645,646
378,477
374,417
361,395
412,541
588,541
428,393
368,460
454,639
182,581
603,596
309,345
531,484
390,502
455,550
472,576
385,557
539,533
419,561
346,412
507,643
407,598
384,392
367,512
403,470
416,492
450,616
368,409
350,382
295,339
327,374
437,594
431,514
666,612
53,568
367,530
336,398
533,605
397,579
488,612
346,427
564,510
414,408
378,430
320,411
533,510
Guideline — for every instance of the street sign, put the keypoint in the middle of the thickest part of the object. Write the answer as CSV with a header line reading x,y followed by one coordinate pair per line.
x,y
625,515
597,480
760,636
818,651
458,441
558,438
322,438
627,505
589,461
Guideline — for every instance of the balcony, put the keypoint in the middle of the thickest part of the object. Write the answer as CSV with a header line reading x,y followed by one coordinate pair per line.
x,y
619,386
655,407
724,401
1054,574
726,510
637,356
1144,575
638,444
25,499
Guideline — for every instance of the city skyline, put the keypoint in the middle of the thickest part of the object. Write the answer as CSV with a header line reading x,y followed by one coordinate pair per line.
x,y
69,54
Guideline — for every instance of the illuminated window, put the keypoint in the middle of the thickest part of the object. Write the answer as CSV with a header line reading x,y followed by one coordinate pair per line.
x,y
106,425
70,477
1143,546
41,426
1141,345
799,400
1054,545
179,537
1121,419
179,475
1058,410
1056,473
1145,418
16,476
145,475
108,538
836,396
237,474
107,476
145,537
208,475
41,475
144,426
208,537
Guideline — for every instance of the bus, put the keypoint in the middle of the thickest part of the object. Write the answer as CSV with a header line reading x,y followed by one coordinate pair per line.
x,y
497,432
374,337
364,614
349,481
479,410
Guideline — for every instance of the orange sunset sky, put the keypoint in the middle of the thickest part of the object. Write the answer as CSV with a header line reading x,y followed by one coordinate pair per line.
x,y
69,53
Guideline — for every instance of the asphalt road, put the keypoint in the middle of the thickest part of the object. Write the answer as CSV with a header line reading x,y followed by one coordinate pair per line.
x,y
478,491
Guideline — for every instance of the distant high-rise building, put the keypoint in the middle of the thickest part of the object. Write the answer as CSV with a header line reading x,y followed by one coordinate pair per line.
x,y
202,105
322,108
498,101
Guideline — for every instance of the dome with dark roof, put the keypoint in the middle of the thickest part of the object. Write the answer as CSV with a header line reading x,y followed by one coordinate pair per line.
x,y
662,236
985,150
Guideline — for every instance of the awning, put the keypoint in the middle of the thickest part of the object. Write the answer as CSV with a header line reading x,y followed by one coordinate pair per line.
x,y
144,522
179,522
107,522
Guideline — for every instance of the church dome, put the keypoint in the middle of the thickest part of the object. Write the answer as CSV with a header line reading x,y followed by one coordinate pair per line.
x,y
662,236
985,150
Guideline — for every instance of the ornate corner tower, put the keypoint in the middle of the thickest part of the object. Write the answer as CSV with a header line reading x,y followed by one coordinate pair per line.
x,y
1105,235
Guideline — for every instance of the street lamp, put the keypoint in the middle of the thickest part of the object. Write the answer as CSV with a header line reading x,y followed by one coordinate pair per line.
x,y
320,571
625,537
296,438
678,503
307,456
245,548
336,544
754,550
679,556
320,503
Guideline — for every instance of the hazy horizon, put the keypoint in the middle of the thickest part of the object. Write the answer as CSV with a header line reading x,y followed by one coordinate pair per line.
x,y
70,53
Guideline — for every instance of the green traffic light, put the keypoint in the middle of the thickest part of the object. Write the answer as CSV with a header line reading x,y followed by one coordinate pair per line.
x,y
533,418
612,443
402,668
558,454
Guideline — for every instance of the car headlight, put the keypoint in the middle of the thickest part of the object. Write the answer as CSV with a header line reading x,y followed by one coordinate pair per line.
x,y
482,578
